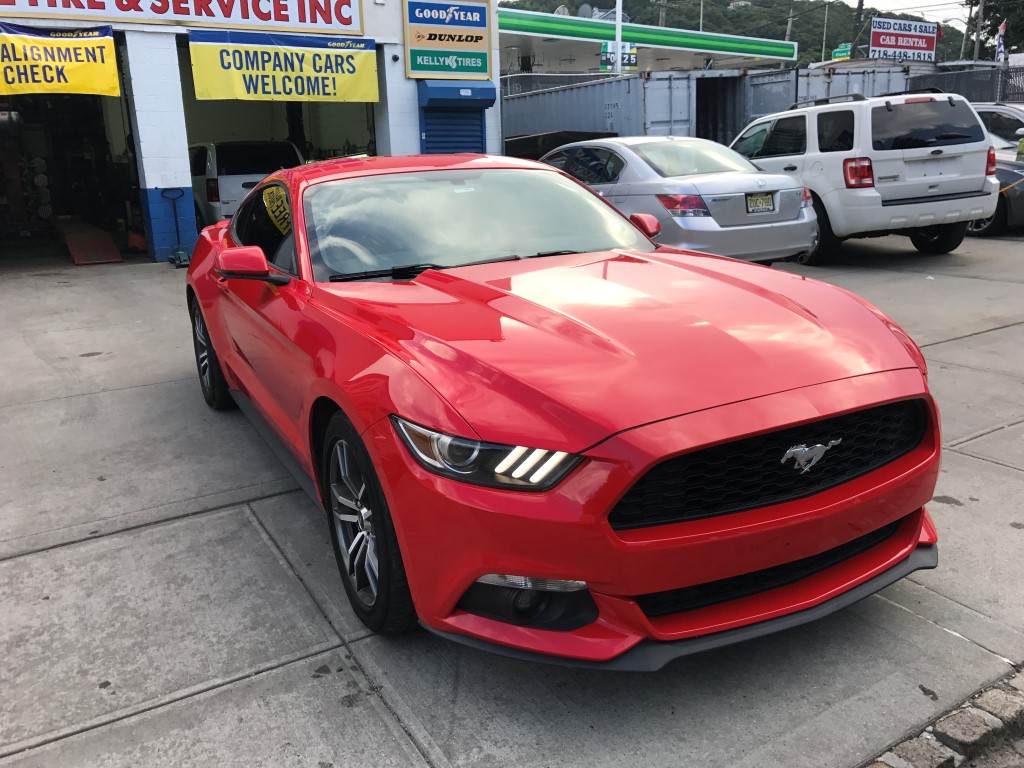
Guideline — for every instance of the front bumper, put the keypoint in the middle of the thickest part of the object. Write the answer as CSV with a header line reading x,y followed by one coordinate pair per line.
x,y
452,533
652,655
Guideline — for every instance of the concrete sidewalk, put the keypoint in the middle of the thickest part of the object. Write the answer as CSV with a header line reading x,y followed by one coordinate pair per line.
x,y
167,596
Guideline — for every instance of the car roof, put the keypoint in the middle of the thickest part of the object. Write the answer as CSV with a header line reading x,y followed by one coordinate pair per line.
x,y
351,167
631,141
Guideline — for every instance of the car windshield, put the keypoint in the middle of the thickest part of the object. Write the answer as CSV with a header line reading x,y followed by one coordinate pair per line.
x,y
256,158
684,158
450,218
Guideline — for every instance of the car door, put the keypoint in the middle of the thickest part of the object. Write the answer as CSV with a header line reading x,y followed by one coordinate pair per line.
x,y
600,169
263,320
785,146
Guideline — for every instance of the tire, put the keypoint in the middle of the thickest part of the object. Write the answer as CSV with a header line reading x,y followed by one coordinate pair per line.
x,y
993,225
939,239
360,524
828,243
211,377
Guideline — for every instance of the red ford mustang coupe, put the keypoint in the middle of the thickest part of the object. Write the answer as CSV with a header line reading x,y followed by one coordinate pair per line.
x,y
534,430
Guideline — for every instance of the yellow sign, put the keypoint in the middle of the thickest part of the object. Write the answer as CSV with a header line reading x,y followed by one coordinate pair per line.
x,y
261,66
57,61
276,201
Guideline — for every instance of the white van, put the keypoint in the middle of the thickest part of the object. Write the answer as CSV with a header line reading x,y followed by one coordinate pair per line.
x,y
912,164
224,172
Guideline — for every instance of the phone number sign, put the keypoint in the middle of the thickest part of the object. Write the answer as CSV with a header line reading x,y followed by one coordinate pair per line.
x,y
903,40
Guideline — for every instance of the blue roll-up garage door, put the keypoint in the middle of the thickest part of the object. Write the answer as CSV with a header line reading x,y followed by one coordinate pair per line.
x,y
453,130
452,115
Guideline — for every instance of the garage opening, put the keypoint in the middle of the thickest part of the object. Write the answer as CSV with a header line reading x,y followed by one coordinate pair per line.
x,y
68,179
234,143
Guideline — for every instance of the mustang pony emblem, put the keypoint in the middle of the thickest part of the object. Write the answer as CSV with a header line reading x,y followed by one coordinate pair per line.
x,y
805,457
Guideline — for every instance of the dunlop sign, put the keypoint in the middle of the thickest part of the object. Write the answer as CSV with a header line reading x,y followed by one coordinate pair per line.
x,y
259,66
57,61
447,41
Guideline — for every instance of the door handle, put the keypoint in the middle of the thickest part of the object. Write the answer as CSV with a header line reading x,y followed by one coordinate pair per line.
x,y
249,184
789,168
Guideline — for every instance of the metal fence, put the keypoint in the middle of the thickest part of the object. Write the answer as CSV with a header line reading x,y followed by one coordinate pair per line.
x,y
1002,84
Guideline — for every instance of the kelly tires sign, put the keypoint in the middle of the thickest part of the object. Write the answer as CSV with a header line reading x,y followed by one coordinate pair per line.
x,y
57,61
254,66
309,16
903,40
447,40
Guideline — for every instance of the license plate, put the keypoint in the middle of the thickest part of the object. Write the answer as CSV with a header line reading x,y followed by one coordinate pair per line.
x,y
761,202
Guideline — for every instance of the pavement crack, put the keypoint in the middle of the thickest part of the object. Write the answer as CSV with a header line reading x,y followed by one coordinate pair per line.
x,y
972,335
148,524
165,701
982,433
421,750
985,458
97,392
945,628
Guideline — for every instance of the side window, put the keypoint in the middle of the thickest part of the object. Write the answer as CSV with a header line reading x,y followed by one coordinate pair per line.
x,y
1003,126
265,220
835,131
788,137
557,160
197,159
751,140
594,165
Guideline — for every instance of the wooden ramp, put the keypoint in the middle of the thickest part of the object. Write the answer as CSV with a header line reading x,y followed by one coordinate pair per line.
x,y
88,244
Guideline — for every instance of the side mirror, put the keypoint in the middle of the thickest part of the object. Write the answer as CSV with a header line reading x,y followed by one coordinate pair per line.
x,y
247,262
646,223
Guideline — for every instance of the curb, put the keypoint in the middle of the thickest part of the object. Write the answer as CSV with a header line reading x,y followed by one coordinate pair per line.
x,y
980,724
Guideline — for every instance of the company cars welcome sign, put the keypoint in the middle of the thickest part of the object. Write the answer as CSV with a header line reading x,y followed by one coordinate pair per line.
x,y
447,40
265,67
57,61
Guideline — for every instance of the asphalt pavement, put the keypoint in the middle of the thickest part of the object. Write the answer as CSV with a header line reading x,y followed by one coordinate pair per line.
x,y
168,596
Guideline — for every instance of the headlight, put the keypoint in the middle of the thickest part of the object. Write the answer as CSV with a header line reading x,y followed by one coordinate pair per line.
x,y
498,466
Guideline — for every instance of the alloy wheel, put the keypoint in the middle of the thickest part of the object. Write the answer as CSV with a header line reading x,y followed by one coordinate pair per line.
x,y
354,522
202,345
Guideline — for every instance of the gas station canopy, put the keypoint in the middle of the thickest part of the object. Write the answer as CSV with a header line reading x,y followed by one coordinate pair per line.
x,y
556,43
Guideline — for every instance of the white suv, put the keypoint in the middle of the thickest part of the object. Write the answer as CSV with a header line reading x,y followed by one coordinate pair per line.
x,y
224,172
916,164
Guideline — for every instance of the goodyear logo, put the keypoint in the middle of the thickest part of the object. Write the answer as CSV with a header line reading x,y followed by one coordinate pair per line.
x,y
447,14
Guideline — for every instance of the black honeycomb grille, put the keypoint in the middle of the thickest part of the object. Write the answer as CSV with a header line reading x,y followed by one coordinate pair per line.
x,y
714,592
750,473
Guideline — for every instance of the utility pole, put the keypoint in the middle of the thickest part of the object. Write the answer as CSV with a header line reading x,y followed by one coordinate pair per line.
x,y
857,21
662,7
824,32
789,23
618,37
977,28
967,31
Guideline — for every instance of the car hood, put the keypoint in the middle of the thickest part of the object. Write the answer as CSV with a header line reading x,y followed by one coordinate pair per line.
x,y
563,351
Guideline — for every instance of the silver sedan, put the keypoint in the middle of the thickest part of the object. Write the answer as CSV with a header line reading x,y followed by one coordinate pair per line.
x,y
707,197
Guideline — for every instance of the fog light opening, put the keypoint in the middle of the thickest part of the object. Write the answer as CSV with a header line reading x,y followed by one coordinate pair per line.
x,y
556,604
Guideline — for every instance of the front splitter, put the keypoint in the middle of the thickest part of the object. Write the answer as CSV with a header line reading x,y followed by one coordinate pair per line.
x,y
652,655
